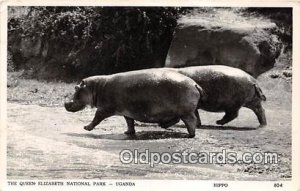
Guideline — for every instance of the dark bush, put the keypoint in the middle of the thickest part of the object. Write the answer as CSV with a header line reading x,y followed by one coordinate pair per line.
x,y
283,17
96,40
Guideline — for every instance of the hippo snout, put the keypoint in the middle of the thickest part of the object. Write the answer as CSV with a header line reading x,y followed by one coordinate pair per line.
x,y
74,106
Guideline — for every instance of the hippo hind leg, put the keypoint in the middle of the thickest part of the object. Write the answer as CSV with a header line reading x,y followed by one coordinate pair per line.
x,y
198,118
229,116
190,121
130,126
170,123
259,112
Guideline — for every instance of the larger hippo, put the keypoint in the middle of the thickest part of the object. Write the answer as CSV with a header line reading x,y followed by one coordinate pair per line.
x,y
227,89
153,95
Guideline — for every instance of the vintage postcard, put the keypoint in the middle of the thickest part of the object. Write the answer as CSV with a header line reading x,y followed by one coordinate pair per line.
x,y
152,95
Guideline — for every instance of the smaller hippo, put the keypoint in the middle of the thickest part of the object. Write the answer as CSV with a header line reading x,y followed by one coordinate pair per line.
x,y
227,89
152,95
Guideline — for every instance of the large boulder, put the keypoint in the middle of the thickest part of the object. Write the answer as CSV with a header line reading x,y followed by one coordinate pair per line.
x,y
224,37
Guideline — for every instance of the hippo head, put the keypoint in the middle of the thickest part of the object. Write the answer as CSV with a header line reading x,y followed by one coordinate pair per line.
x,y
81,98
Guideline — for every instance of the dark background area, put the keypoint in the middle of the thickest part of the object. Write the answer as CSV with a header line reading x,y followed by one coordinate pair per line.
x,y
68,43
83,41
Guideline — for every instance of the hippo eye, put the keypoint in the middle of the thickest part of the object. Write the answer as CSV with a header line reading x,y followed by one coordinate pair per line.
x,y
77,87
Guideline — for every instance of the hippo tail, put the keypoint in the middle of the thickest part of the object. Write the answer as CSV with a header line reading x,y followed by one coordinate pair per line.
x,y
259,92
203,95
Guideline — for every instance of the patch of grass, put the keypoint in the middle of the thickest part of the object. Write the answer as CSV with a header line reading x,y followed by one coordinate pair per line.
x,y
31,91
226,18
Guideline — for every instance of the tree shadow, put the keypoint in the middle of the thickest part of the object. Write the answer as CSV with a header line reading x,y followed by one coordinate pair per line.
x,y
154,135
210,127
216,127
142,135
219,127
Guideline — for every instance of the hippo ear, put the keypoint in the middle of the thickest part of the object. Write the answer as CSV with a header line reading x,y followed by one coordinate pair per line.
x,y
81,85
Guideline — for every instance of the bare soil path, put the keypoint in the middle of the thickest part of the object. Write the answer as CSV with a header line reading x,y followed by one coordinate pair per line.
x,y
50,143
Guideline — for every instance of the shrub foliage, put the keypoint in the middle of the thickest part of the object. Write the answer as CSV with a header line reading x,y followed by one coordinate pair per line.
x,y
99,40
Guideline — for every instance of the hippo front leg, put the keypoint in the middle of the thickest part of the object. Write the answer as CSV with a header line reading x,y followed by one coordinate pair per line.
x,y
130,126
99,116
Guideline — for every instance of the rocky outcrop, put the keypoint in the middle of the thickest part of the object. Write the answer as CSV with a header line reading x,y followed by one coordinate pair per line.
x,y
227,38
39,58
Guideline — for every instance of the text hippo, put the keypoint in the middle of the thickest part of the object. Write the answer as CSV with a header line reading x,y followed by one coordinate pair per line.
x,y
153,95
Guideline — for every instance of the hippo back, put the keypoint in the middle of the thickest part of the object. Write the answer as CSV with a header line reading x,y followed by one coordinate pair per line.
x,y
226,87
155,93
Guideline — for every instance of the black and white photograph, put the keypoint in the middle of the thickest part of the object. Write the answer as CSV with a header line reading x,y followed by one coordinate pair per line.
x,y
128,93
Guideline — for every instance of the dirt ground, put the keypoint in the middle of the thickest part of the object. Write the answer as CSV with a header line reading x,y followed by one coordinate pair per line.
x,y
44,141
50,143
